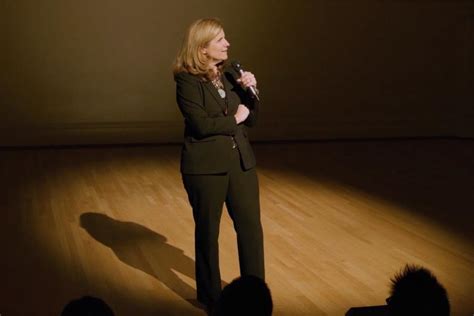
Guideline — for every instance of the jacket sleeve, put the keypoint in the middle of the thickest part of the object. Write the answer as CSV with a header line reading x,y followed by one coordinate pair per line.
x,y
250,102
253,105
189,96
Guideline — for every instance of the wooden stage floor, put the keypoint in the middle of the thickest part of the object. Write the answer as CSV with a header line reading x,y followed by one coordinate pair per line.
x,y
339,218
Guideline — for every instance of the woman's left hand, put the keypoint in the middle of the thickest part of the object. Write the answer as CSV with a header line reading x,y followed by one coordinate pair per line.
x,y
247,79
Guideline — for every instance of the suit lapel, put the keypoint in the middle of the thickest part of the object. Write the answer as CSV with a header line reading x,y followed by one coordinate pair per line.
x,y
229,84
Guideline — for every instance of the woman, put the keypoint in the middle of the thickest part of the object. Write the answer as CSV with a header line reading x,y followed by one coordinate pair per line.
x,y
217,161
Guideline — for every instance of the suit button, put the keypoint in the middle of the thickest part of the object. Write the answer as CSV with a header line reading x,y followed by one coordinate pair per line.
x,y
234,144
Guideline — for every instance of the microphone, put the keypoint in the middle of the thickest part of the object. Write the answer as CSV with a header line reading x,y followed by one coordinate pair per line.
x,y
237,67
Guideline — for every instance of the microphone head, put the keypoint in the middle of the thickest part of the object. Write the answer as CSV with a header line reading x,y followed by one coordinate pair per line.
x,y
236,65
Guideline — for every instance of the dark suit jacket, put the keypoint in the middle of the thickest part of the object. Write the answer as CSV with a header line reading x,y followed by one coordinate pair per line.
x,y
208,129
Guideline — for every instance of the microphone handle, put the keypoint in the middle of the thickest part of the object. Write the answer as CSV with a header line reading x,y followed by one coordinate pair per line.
x,y
251,88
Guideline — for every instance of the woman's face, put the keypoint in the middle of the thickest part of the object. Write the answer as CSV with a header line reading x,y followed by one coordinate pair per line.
x,y
216,50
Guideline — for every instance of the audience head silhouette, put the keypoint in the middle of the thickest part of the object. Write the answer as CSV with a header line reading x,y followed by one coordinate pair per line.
x,y
87,306
247,295
416,291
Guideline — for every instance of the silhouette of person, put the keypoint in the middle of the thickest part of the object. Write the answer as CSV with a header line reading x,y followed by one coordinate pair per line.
x,y
87,306
247,295
416,291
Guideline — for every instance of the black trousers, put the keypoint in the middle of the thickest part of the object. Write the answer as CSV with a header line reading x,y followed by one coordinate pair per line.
x,y
207,194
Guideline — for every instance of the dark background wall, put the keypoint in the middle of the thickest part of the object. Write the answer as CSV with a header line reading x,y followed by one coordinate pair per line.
x,y
78,72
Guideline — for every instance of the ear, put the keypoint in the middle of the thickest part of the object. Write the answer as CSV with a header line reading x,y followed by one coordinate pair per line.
x,y
203,51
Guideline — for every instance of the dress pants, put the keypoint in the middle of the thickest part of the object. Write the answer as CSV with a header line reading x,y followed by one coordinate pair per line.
x,y
207,194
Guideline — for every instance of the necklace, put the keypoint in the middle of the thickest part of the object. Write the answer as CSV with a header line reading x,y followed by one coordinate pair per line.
x,y
219,86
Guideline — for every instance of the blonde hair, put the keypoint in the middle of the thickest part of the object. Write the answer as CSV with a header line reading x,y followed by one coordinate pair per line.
x,y
190,57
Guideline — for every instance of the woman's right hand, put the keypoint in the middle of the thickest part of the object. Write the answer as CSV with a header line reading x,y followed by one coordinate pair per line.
x,y
242,113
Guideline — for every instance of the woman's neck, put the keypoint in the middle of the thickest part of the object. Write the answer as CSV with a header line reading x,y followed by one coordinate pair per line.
x,y
214,64
214,69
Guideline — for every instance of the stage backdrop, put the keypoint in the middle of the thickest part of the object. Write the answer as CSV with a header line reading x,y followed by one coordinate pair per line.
x,y
95,72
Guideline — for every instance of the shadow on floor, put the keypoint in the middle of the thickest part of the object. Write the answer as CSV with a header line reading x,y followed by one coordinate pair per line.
x,y
145,250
